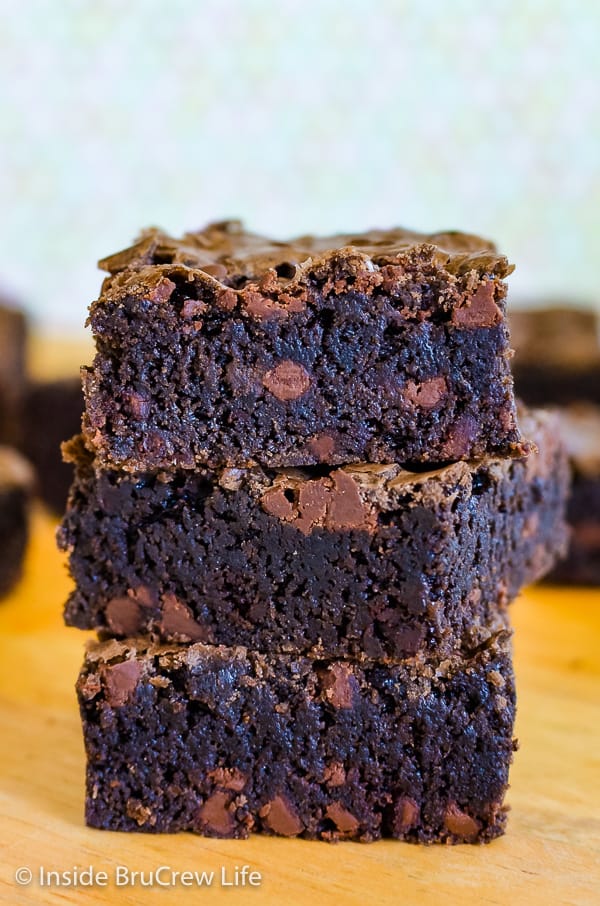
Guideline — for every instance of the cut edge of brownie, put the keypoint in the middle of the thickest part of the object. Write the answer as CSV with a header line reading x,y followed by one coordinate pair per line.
x,y
233,741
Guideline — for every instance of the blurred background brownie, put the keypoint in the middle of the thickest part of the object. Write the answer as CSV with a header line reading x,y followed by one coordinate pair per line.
x,y
557,363
581,433
16,484
52,414
12,373
557,355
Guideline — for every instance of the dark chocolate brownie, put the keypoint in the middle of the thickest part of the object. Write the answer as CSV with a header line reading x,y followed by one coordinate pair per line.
x,y
581,432
557,355
229,349
16,481
12,373
224,741
340,561
52,414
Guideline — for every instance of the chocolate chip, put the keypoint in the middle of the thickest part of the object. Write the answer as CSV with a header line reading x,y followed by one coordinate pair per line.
x,y
479,310
313,499
406,815
177,622
120,681
322,446
427,394
138,405
144,595
346,508
280,817
459,823
124,616
192,308
276,503
339,684
161,291
215,815
287,381
460,437
342,818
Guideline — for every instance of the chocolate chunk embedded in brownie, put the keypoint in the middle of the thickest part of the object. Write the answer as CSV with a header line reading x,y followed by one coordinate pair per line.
x,y
52,415
581,433
12,373
228,349
224,741
557,355
16,480
364,558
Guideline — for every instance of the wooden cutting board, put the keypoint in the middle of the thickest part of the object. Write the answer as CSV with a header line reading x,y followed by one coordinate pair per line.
x,y
549,855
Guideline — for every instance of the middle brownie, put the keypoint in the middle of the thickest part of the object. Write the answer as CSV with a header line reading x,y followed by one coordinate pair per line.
x,y
364,559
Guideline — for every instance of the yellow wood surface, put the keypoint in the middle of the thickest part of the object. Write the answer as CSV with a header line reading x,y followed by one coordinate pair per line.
x,y
549,855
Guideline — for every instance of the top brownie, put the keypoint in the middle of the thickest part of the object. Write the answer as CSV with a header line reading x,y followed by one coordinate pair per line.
x,y
557,357
227,349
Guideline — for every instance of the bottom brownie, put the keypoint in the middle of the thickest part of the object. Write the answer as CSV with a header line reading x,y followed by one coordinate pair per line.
x,y
15,489
581,433
224,741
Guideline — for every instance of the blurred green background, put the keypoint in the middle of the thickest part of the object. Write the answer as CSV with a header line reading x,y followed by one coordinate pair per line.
x,y
296,116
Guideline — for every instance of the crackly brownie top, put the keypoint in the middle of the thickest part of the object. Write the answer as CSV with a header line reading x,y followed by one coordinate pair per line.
x,y
556,336
231,255
123,664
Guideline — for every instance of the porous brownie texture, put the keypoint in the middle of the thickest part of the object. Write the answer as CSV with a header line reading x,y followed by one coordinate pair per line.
x,y
557,355
580,426
225,741
52,414
16,481
227,349
360,559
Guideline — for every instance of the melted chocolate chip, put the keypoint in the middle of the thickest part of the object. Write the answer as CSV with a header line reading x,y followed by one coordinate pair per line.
x,y
287,381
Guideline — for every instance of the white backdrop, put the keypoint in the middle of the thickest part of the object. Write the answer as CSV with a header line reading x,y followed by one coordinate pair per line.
x,y
297,116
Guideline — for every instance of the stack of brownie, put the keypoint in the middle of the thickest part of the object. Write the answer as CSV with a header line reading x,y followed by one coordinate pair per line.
x,y
301,506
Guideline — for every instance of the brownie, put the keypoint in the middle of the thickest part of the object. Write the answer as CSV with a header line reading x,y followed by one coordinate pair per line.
x,y
12,373
364,558
227,349
557,355
581,432
16,480
52,414
557,361
224,741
